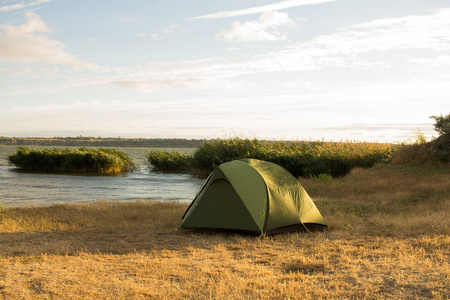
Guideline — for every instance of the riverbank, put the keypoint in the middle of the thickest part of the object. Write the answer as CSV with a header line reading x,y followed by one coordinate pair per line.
x,y
390,240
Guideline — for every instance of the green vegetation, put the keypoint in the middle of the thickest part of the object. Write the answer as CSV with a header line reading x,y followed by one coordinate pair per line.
x,y
170,161
139,155
421,152
442,144
300,158
81,160
308,159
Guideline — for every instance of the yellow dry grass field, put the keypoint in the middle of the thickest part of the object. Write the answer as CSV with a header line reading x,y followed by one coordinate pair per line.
x,y
390,240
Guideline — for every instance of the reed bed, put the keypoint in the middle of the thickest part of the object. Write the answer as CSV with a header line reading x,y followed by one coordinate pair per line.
x,y
82,160
303,159
170,161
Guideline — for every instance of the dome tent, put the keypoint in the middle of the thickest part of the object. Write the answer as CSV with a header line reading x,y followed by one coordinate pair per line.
x,y
253,196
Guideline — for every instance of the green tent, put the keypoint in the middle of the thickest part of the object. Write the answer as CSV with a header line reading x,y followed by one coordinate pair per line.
x,y
254,196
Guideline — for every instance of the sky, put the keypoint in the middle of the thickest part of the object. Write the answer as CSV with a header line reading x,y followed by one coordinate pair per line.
x,y
365,70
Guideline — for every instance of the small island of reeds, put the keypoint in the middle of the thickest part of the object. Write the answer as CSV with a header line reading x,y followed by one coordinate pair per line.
x,y
83,160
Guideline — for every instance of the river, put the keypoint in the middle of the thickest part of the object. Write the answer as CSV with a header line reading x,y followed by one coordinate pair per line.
x,y
18,188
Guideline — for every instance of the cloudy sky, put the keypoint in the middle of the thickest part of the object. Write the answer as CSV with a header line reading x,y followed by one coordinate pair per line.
x,y
367,70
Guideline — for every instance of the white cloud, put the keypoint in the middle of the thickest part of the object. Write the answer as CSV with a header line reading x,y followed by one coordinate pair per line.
x,y
26,43
432,61
263,29
164,33
429,31
365,45
147,85
370,45
22,5
260,9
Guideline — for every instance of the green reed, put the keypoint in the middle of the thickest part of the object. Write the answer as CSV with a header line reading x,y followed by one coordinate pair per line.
x,y
170,161
81,160
303,158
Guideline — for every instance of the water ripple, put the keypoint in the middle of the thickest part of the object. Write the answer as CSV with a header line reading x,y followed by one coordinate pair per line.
x,y
21,188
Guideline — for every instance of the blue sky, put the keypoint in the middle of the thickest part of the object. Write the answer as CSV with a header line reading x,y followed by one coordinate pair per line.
x,y
294,69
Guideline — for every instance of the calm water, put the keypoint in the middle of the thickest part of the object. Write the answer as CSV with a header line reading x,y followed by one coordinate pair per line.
x,y
23,189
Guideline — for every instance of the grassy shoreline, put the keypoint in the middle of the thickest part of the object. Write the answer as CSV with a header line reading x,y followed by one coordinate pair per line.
x,y
390,241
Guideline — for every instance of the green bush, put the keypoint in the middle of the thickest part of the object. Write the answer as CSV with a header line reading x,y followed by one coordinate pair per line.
x,y
81,160
442,144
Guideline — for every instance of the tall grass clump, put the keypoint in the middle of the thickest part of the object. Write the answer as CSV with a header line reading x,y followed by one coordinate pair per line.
x,y
170,161
307,159
212,154
81,160
421,152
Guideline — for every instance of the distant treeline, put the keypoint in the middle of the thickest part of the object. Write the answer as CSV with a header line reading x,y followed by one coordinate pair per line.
x,y
102,142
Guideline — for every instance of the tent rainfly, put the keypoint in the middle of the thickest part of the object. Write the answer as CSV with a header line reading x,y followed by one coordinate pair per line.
x,y
253,196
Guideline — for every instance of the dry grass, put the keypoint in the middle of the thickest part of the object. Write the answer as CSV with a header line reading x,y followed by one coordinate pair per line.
x,y
390,241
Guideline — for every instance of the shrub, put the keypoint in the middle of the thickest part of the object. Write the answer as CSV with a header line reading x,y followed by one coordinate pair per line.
x,y
442,144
